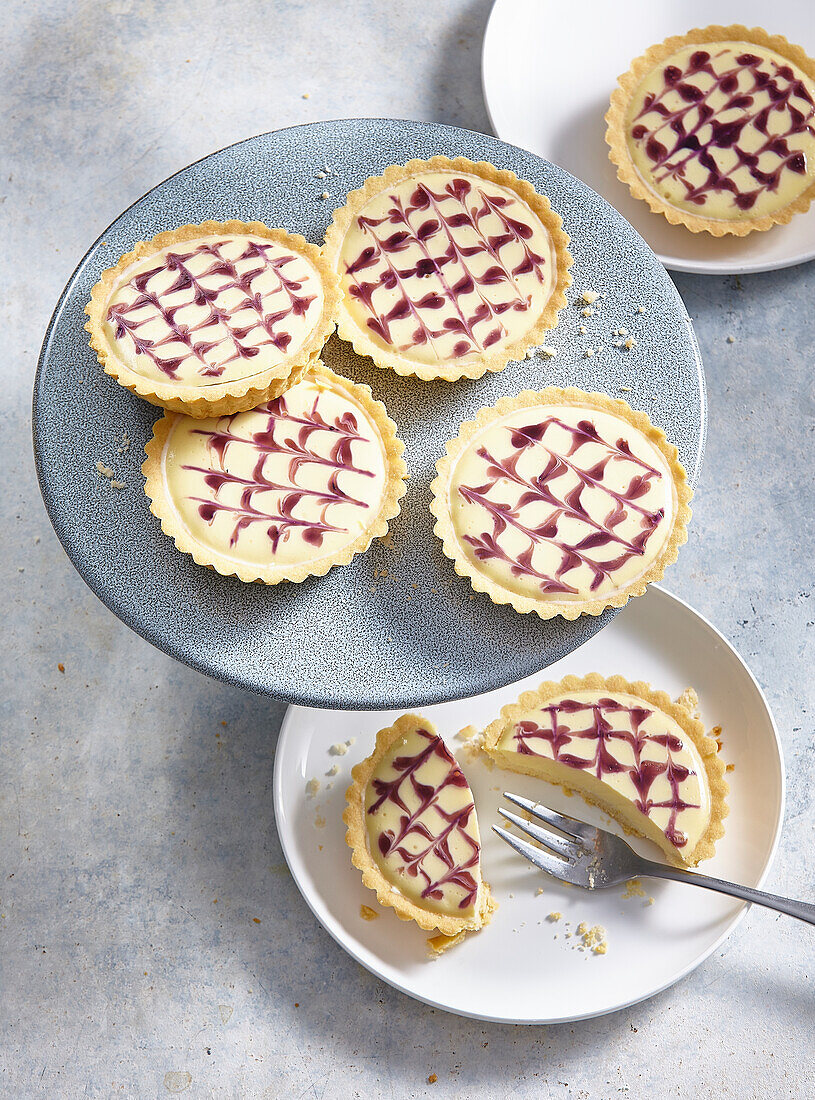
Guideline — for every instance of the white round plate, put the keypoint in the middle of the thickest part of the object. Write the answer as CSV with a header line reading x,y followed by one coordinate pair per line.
x,y
523,968
548,72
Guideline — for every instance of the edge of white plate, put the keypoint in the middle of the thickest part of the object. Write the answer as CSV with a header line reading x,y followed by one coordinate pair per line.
x,y
669,263
326,920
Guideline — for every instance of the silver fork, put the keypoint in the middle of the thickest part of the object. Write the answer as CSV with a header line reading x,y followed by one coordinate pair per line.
x,y
596,859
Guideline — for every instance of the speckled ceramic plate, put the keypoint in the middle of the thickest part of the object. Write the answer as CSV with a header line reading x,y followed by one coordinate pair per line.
x,y
529,59
523,968
351,638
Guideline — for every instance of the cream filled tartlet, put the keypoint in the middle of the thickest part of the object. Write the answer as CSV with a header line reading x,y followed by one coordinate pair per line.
x,y
282,491
626,748
448,268
561,502
413,832
213,318
715,129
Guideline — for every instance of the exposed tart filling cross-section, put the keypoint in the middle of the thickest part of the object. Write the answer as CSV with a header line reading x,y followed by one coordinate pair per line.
x,y
413,829
561,502
205,312
448,268
625,748
721,128
281,491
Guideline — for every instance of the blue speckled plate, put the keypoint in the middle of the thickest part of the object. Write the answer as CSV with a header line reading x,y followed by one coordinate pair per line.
x,y
349,639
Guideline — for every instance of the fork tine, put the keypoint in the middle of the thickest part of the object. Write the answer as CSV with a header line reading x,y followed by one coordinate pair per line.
x,y
556,843
552,865
578,830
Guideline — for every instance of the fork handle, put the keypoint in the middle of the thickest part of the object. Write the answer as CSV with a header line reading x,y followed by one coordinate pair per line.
x,y
801,909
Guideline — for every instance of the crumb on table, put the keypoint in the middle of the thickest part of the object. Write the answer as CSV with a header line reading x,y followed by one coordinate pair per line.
x,y
367,913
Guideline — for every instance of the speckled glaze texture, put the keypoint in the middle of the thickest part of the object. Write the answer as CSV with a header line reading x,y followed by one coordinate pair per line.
x,y
351,638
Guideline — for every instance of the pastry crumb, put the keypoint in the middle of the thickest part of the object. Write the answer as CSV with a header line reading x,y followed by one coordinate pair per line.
x,y
593,937
340,749
312,787
540,890
640,309
729,767
582,330
624,389
319,822
324,195
333,770
104,470
629,343
367,913
633,889
588,353
589,296
587,311
117,484
731,339
61,667
550,353
306,95
555,916
387,541
432,1079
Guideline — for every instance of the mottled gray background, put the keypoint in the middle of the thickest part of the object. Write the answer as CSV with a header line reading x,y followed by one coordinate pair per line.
x,y
127,807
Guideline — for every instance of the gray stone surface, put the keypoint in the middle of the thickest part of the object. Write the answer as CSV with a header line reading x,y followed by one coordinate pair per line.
x,y
127,807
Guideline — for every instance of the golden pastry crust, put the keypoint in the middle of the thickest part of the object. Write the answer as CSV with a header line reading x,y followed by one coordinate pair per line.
x,y
628,84
549,608
239,394
451,928
394,489
495,360
678,711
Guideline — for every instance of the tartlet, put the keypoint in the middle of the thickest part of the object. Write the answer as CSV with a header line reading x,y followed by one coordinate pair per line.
x,y
283,491
643,759
715,129
213,318
448,268
561,502
413,831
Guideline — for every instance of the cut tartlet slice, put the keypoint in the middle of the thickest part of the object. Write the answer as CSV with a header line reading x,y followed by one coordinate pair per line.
x,y
449,268
283,491
715,129
213,318
643,759
561,502
413,832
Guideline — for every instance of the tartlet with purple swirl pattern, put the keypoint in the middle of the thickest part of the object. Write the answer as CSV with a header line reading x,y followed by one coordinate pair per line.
x,y
448,268
213,318
715,129
641,757
561,502
412,828
283,491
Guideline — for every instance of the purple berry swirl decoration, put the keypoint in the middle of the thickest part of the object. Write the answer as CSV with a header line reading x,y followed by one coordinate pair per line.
x,y
561,506
444,266
726,130
606,737
211,310
291,480
427,839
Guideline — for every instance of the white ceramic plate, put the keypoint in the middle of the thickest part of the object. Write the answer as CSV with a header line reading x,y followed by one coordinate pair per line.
x,y
549,69
523,969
